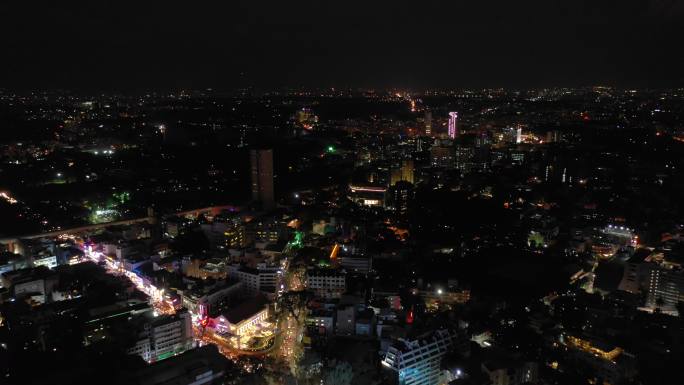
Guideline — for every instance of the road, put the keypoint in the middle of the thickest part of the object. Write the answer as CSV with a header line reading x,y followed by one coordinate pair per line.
x,y
285,345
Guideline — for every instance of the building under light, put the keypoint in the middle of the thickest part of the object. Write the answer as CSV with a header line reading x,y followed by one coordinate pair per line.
x,y
428,123
368,195
404,173
262,279
326,283
262,177
242,319
665,288
418,362
453,121
162,337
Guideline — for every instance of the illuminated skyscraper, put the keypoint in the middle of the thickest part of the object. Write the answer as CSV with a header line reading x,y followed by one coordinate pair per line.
x,y
404,173
453,120
417,362
262,177
664,288
428,123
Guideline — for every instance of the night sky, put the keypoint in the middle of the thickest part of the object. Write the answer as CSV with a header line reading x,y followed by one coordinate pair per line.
x,y
142,44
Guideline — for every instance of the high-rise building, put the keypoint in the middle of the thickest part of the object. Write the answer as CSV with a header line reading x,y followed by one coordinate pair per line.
x,y
163,337
404,173
418,362
402,194
453,121
665,288
262,177
428,123
442,156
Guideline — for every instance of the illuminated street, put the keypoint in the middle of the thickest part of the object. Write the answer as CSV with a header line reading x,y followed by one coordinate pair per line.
x,y
155,296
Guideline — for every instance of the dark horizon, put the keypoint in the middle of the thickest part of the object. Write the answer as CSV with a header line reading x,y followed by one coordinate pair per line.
x,y
125,46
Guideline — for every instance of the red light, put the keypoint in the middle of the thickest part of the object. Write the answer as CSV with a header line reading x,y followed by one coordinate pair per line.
x,y
409,317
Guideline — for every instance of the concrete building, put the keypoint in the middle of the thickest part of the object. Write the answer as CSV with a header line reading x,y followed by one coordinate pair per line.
x,y
365,323
609,362
368,195
361,264
665,288
200,301
34,283
263,279
346,320
403,173
442,156
162,337
203,365
453,125
417,361
401,196
262,177
239,319
502,369
428,123
321,319
326,283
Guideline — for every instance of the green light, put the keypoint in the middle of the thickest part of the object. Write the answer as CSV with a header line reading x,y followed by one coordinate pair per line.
x,y
299,239
164,356
331,149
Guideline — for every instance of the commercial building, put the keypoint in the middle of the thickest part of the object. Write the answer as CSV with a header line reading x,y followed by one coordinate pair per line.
x,y
665,288
322,320
503,368
402,195
442,155
239,320
34,283
262,177
162,337
101,322
361,264
453,122
326,283
203,365
608,361
263,279
368,195
403,173
417,361
428,123
346,319
201,300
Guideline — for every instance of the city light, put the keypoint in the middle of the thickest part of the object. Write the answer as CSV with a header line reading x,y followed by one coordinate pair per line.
x,y
8,198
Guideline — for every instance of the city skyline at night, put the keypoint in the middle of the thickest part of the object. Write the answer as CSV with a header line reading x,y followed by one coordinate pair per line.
x,y
324,193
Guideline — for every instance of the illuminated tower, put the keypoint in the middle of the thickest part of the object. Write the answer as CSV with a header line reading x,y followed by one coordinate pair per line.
x,y
453,130
417,362
428,123
262,177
